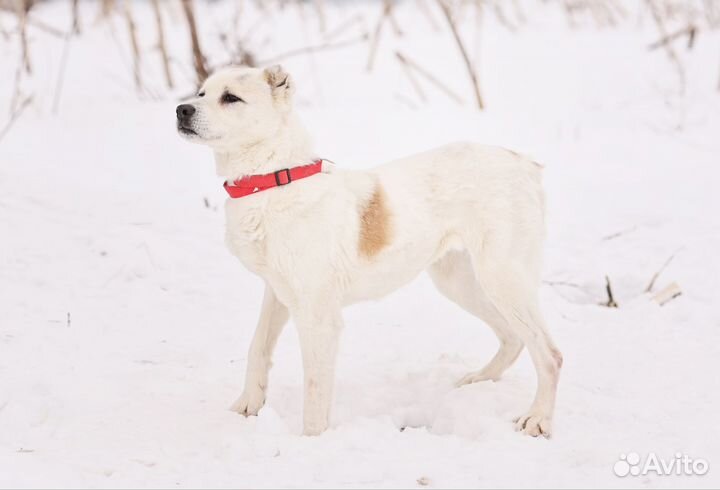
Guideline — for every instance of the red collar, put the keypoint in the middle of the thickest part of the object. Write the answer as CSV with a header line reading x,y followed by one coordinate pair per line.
x,y
252,184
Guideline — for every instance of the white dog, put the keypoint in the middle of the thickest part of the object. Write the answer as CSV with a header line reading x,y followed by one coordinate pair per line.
x,y
471,215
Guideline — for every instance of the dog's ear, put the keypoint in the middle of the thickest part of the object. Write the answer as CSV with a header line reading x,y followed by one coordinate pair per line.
x,y
281,84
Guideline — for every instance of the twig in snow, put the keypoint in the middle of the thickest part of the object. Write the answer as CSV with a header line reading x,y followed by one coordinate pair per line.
x,y
404,99
54,31
15,116
428,14
161,43
413,81
343,28
106,7
198,58
132,31
689,31
312,49
611,303
320,9
75,17
61,74
667,294
391,17
22,7
468,64
619,233
562,283
429,77
672,55
655,276
375,39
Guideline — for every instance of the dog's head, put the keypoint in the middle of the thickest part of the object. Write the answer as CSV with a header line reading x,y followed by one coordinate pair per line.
x,y
237,107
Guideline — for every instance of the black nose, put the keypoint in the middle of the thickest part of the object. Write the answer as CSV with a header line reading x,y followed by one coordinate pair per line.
x,y
184,111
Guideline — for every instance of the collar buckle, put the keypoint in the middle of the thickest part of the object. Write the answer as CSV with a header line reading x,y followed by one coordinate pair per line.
x,y
288,177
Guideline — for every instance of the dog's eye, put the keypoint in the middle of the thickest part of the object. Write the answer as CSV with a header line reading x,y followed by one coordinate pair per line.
x,y
201,94
228,98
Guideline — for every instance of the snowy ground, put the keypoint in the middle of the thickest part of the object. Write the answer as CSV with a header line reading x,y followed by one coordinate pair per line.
x,y
124,321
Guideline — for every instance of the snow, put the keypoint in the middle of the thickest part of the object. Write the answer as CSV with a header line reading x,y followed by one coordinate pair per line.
x,y
124,321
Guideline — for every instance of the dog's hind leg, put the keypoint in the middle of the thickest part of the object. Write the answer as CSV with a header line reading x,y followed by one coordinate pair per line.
x,y
455,279
510,277
273,317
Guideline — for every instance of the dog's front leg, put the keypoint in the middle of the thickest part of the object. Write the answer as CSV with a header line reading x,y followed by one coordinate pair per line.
x,y
319,332
273,317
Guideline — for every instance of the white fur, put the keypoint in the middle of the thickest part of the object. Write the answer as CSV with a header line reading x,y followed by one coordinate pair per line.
x,y
471,215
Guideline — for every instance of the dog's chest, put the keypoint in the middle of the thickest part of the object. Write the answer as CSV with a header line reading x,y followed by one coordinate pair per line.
x,y
246,235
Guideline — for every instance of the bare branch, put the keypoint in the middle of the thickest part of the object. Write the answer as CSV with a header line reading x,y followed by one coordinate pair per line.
x,y
689,31
611,303
413,81
132,32
161,43
672,55
463,52
75,17
375,40
320,9
46,28
22,8
667,294
61,74
106,8
198,58
655,276
391,16
619,233
344,27
429,77
15,116
311,49
423,6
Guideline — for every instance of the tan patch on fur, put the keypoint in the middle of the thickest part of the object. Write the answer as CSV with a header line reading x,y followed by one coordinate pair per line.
x,y
374,224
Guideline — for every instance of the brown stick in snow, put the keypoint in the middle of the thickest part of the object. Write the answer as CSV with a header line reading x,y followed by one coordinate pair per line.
x,y
655,276
344,27
375,40
413,81
468,64
21,9
161,43
391,16
132,32
611,303
667,294
75,17
198,58
61,74
320,9
311,49
689,31
672,55
15,116
429,77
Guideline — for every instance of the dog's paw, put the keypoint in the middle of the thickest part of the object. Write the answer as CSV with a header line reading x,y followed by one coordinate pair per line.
x,y
314,429
476,377
249,403
534,423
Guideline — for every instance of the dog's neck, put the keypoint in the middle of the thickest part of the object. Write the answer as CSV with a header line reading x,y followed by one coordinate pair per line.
x,y
290,146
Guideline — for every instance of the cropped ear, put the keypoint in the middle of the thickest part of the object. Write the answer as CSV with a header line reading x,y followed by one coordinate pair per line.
x,y
281,84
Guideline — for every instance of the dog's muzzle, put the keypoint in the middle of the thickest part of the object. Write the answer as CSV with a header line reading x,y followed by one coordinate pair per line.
x,y
184,114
